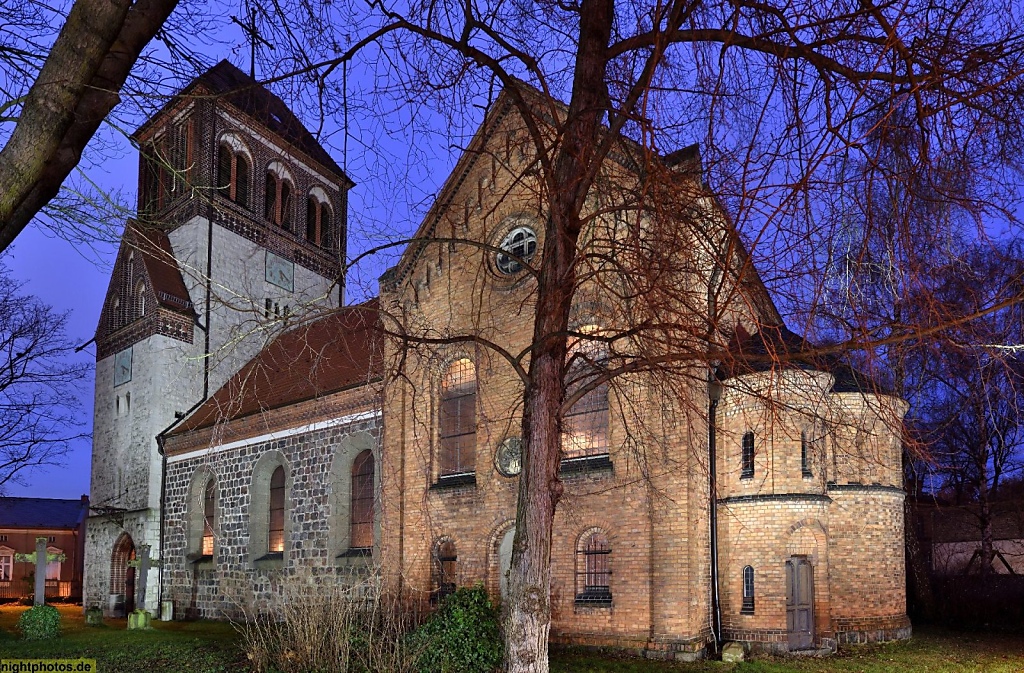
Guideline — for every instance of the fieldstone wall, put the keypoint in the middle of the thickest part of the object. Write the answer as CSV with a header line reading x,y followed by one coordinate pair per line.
x,y
236,578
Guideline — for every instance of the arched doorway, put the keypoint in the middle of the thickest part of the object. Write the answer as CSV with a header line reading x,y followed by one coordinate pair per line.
x,y
505,560
122,577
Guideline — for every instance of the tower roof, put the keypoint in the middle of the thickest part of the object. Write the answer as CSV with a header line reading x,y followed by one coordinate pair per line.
x,y
241,91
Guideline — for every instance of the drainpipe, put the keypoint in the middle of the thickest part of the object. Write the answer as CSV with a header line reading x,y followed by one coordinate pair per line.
x,y
714,395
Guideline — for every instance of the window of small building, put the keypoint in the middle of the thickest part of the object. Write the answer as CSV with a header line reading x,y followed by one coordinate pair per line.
x,y
593,570
747,457
361,512
319,222
209,517
457,435
748,591
6,564
446,562
277,200
233,174
275,529
53,567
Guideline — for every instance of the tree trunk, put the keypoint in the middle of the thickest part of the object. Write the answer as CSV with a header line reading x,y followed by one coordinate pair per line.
x,y
528,618
76,89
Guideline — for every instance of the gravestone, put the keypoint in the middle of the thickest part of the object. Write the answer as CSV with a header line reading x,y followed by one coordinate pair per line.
x,y
140,617
40,558
732,652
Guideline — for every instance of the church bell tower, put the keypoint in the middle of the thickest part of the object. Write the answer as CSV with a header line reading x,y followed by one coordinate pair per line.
x,y
240,232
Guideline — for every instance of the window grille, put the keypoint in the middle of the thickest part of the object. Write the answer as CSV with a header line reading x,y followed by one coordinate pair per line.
x,y
457,436
805,455
747,471
593,570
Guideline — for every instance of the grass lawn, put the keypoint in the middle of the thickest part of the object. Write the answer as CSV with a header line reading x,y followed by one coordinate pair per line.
x,y
212,647
171,647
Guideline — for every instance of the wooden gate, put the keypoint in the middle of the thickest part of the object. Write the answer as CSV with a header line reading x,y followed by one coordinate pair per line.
x,y
800,603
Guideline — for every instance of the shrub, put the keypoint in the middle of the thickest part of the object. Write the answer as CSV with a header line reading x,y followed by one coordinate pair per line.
x,y
39,622
461,636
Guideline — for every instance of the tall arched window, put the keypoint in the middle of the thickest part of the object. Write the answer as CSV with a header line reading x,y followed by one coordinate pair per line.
x,y
593,569
140,299
275,529
319,220
209,517
458,419
362,502
748,591
585,424
233,174
747,457
446,562
277,199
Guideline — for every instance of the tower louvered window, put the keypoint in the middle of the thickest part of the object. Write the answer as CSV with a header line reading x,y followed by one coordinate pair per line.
x,y
277,200
233,175
319,223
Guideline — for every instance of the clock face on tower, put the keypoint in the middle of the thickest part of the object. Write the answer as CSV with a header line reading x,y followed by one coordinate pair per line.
x,y
280,272
123,366
509,457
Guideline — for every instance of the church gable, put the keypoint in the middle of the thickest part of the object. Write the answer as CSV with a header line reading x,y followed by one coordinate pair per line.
x,y
146,294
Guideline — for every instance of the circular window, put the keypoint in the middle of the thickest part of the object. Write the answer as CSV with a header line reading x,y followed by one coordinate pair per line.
x,y
517,248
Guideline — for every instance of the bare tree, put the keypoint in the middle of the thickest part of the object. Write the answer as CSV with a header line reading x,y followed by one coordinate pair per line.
x,y
38,385
972,406
775,95
72,92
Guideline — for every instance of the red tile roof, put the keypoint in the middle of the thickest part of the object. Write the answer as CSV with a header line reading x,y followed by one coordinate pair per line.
x,y
163,271
339,351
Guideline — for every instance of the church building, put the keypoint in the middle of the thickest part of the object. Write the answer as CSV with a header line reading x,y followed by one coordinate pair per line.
x,y
252,431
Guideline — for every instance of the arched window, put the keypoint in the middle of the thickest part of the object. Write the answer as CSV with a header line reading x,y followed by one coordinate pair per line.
x,y
277,199
458,419
269,520
140,299
319,220
275,528
585,424
446,562
233,173
747,458
209,517
593,569
362,502
748,591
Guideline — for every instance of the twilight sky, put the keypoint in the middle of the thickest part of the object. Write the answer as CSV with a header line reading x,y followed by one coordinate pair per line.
x,y
396,175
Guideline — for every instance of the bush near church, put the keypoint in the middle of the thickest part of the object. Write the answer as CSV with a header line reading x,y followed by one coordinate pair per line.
x,y
461,636
40,622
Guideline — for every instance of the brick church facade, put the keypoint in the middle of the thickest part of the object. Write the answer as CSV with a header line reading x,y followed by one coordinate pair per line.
x,y
376,444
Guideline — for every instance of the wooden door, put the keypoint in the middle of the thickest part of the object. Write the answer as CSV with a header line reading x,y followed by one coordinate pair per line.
x,y
800,603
